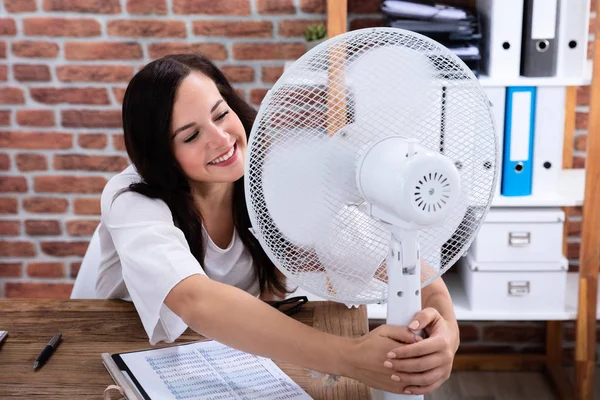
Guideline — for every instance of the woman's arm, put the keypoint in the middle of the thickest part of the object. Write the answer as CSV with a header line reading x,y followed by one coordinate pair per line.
x,y
236,318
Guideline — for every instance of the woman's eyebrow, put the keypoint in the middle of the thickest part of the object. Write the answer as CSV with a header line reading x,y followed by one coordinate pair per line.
x,y
182,128
216,105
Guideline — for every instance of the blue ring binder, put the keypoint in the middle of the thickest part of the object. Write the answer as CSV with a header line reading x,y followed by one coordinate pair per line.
x,y
519,128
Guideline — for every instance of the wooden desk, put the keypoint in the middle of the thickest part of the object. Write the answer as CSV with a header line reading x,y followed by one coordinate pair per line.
x,y
91,327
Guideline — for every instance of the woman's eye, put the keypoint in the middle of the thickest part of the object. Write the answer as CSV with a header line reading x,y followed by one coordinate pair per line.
x,y
191,137
221,116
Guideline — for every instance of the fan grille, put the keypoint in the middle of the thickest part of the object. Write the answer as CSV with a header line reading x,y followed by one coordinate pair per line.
x,y
373,83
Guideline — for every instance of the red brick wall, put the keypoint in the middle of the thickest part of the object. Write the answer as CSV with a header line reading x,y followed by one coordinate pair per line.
x,y
64,65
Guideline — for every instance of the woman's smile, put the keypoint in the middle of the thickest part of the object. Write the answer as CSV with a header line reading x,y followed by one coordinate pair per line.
x,y
225,159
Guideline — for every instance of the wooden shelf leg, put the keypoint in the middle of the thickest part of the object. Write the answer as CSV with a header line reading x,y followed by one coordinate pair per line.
x,y
585,348
557,374
337,17
554,345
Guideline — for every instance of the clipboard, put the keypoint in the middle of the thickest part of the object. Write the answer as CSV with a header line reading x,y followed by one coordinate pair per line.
x,y
131,392
120,372
237,373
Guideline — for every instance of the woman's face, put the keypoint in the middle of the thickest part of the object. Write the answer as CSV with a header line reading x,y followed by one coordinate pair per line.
x,y
209,140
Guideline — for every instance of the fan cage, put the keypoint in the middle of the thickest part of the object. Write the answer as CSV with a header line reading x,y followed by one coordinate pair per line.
x,y
336,97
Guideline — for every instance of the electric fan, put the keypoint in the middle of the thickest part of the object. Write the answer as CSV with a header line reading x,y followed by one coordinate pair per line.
x,y
370,167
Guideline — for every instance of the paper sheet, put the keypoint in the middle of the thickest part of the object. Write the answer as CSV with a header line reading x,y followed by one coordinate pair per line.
x,y
212,371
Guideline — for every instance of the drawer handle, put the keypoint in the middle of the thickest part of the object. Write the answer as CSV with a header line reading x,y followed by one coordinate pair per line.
x,y
518,288
519,239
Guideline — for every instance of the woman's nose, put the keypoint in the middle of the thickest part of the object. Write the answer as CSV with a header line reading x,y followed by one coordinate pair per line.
x,y
217,137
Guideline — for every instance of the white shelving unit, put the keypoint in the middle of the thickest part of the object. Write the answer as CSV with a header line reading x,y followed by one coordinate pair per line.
x,y
549,81
465,313
571,189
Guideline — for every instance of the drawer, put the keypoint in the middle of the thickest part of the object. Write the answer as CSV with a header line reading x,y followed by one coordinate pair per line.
x,y
524,235
526,290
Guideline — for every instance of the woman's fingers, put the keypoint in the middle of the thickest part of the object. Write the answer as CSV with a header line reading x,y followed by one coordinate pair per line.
x,y
412,365
421,348
424,318
399,333
423,389
431,377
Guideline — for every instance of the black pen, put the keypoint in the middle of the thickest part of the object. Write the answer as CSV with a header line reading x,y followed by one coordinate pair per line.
x,y
48,350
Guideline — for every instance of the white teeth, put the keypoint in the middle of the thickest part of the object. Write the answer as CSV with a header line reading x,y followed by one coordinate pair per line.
x,y
225,157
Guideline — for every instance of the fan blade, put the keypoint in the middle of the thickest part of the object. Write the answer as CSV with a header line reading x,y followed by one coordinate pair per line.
x,y
354,248
396,102
293,185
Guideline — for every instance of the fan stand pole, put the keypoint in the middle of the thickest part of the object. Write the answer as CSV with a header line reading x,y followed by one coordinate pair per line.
x,y
404,289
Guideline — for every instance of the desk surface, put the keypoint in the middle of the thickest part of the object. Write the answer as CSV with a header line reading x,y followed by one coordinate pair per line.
x,y
92,327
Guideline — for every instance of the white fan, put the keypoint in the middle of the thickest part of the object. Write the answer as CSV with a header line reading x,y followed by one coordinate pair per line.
x,y
370,167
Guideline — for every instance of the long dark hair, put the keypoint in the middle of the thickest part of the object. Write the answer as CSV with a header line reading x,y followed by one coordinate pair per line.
x,y
147,111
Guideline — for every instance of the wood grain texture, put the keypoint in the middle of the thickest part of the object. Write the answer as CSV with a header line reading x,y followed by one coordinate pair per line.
x,y
337,17
337,23
336,86
596,388
92,327
585,347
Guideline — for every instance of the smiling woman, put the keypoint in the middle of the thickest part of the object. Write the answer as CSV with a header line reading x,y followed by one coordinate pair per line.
x,y
179,116
175,238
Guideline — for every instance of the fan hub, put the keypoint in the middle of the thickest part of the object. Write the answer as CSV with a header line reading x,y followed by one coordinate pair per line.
x,y
432,192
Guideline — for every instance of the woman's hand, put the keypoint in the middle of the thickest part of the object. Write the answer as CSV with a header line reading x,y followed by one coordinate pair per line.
x,y
423,366
368,353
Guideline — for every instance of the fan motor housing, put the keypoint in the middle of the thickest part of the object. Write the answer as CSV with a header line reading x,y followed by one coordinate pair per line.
x,y
406,184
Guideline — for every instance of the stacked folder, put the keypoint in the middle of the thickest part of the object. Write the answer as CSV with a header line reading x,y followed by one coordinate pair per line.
x,y
534,38
457,29
530,127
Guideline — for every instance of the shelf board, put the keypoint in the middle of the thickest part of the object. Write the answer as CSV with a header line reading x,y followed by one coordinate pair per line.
x,y
526,81
570,193
464,312
320,77
584,80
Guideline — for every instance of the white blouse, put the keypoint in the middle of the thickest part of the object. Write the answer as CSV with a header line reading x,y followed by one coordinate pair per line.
x,y
144,255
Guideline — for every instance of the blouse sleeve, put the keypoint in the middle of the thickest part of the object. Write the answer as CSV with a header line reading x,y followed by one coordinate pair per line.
x,y
153,253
